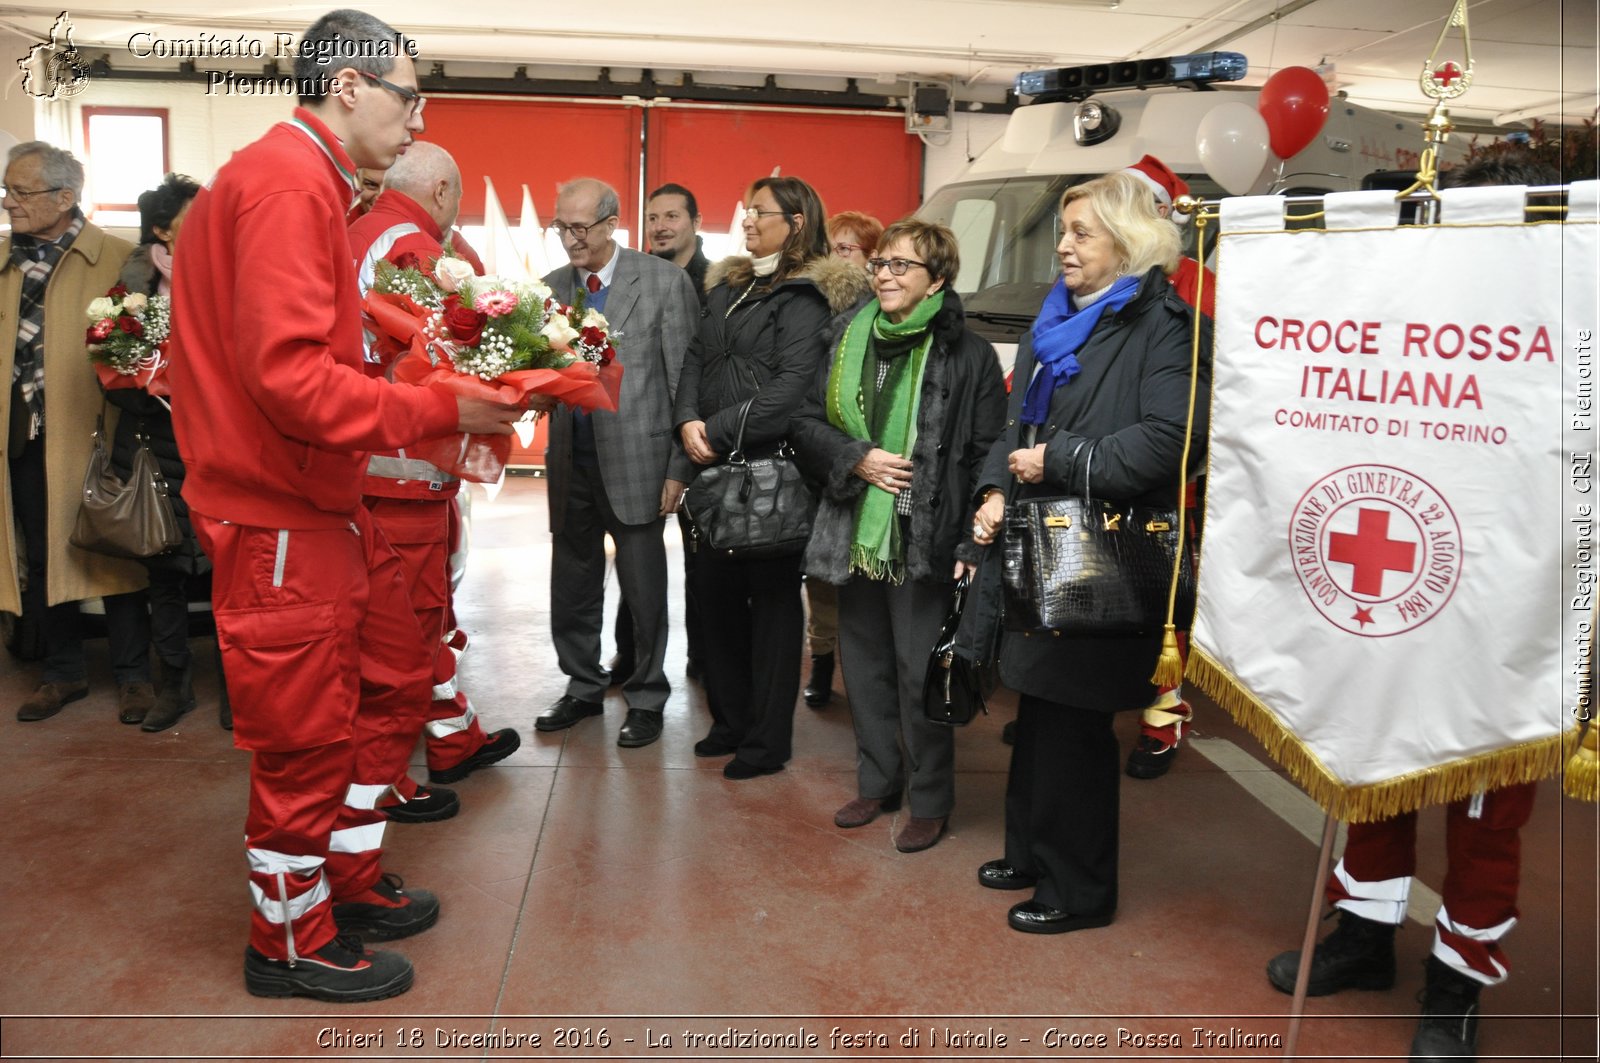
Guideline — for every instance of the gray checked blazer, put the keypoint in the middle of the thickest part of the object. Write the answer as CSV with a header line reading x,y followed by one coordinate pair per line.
x,y
653,305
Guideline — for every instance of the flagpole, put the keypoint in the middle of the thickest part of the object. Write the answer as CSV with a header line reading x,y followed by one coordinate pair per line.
x,y
1308,944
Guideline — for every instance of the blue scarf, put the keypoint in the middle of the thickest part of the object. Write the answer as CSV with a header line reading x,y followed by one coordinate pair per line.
x,y
1059,332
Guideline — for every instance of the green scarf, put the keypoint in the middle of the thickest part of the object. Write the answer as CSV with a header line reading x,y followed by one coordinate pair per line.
x,y
876,550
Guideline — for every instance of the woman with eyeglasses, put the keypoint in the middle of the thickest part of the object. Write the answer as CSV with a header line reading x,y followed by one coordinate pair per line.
x,y
898,428
1099,406
759,345
854,236
149,269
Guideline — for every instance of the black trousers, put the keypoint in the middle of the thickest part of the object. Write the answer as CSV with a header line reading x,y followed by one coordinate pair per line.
x,y
691,604
1062,804
169,615
61,625
752,625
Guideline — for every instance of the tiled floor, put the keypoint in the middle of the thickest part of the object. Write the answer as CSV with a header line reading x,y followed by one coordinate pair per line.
x,y
588,888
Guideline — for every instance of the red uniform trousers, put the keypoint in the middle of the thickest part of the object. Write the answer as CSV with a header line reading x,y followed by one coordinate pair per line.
x,y
1483,864
420,532
319,644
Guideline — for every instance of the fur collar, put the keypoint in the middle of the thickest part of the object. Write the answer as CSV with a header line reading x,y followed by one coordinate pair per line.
x,y
843,283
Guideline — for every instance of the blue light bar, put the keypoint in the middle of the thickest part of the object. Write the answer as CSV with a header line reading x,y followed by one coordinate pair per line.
x,y
1080,82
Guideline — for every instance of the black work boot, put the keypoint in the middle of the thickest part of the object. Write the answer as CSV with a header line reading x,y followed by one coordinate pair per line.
x,y
174,698
819,688
341,972
1359,954
1449,1026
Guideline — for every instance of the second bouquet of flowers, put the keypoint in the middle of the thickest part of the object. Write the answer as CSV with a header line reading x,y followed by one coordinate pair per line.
x,y
126,339
489,337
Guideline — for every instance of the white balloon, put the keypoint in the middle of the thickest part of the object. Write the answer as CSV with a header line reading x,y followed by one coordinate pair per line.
x,y
1234,144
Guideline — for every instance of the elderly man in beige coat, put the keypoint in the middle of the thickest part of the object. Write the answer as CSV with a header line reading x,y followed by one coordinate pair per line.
x,y
51,266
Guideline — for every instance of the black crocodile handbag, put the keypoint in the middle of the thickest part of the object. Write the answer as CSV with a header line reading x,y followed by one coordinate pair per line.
x,y
751,508
1086,566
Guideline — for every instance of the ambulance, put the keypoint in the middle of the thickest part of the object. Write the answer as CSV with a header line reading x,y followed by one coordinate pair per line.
x,y
1091,120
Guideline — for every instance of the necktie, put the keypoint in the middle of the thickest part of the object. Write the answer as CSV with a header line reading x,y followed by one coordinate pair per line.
x,y
594,283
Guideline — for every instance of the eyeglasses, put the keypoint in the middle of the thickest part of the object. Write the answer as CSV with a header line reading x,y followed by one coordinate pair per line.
x,y
7,192
844,250
576,231
414,99
758,214
897,266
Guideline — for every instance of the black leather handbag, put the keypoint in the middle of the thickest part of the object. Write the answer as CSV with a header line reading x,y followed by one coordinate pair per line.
x,y
751,508
1085,566
130,520
952,689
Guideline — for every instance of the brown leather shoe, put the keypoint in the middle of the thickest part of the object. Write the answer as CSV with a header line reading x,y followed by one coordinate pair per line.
x,y
49,698
920,834
134,701
864,810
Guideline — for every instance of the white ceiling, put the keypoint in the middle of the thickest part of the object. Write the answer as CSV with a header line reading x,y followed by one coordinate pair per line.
x,y
1534,58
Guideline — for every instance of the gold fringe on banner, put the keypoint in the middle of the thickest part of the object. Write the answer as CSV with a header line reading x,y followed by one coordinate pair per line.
x,y
1528,762
1582,779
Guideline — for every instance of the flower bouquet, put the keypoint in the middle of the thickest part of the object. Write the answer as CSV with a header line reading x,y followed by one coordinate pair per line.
x,y
126,334
491,338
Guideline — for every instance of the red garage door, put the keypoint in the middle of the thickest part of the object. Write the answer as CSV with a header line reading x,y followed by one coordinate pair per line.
x,y
537,143
864,162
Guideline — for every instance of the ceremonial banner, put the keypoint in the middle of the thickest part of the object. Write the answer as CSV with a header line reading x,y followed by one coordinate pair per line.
x,y
1398,571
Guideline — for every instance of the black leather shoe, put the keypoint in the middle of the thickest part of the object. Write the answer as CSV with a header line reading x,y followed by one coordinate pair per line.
x,y
640,729
566,712
497,747
710,747
738,769
999,875
819,688
1034,917
429,805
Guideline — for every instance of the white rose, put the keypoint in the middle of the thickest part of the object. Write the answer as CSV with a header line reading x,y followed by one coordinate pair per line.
x,y
559,332
540,290
135,303
101,307
452,273
593,318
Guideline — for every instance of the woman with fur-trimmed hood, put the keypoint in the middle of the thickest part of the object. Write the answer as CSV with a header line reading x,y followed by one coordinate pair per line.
x,y
898,429
761,342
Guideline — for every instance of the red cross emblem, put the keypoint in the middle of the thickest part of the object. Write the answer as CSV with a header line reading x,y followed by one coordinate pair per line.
x,y
1370,552
1447,73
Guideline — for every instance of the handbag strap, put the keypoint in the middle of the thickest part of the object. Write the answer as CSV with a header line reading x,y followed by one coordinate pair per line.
x,y
737,456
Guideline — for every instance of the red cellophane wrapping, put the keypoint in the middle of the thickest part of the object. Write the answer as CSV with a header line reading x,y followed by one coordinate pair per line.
x,y
480,458
152,380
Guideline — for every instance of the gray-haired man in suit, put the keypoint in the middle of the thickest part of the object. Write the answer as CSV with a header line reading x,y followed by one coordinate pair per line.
x,y
616,473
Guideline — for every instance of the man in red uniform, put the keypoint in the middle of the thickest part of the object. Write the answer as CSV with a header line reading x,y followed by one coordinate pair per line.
x,y
274,417
411,500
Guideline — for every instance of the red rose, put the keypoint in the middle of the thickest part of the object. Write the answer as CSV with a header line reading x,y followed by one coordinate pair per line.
x,y
407,260
130,325
606,355
118,292
101,330
465,324
592,336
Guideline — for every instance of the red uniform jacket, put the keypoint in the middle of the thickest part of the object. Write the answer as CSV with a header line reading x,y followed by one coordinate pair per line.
x,y
395,225
1187,276
274,415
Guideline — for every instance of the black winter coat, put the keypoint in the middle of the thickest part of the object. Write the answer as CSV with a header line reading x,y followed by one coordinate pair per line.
x,y
960,414
1131,401
143,414
766,346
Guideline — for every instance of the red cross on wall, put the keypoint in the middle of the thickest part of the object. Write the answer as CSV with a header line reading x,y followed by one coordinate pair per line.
x,y
1370,552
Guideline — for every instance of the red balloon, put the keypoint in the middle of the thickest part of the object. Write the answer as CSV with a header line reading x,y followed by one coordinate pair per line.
x,y
1294,101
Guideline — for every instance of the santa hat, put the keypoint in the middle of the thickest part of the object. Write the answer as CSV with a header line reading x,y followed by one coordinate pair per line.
x,y
1167,185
